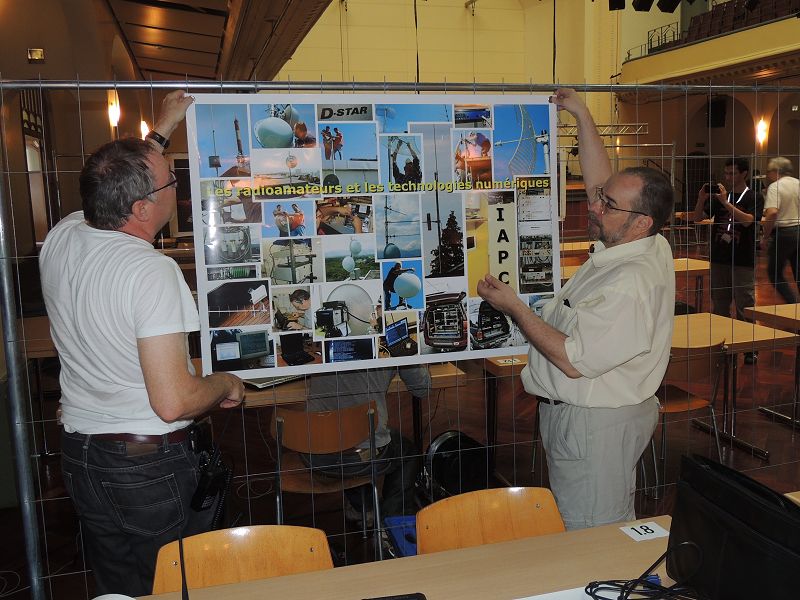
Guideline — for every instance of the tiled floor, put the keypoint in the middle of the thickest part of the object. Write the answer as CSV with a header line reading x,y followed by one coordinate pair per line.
x,y
250,449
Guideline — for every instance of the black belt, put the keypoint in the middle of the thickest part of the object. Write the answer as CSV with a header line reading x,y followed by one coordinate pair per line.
x,y
549,401
173,437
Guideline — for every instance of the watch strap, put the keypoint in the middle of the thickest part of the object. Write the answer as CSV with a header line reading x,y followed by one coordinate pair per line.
x,y
158,139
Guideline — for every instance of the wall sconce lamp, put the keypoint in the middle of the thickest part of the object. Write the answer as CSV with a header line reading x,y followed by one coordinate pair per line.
x,y
761,131
144,128
35,55
113,113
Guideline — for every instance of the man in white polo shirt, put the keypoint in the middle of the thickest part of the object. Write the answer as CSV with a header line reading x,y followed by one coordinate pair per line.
x,y
781,227
601,348
119,314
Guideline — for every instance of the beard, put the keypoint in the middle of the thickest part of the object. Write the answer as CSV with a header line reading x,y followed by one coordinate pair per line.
x,y
594,228
598,232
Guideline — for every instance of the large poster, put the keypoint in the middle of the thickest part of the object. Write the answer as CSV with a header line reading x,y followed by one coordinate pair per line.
x,y
335,232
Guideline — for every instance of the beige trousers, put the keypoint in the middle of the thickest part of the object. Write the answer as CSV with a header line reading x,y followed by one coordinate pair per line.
x,y
591,459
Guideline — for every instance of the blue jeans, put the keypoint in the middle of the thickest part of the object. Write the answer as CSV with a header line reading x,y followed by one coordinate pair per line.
x,y
784,246
130,504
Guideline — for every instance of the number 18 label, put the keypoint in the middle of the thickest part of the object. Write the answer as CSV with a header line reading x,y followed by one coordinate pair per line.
x,y
645,531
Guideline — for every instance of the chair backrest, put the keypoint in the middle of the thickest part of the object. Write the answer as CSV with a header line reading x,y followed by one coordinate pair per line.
x,y
687,365
487,517
241,554
324,432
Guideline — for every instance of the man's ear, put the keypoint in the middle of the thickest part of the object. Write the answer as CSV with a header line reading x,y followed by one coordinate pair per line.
x,y
140,210
645,223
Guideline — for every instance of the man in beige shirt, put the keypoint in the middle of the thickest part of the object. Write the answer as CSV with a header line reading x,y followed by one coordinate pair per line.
x,y
601,348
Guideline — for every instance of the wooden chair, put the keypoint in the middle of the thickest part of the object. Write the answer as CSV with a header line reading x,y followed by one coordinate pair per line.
x,y
328,432
688,366
241,554
487,517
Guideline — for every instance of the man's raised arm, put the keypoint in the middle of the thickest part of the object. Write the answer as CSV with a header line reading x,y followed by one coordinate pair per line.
x,y
594,161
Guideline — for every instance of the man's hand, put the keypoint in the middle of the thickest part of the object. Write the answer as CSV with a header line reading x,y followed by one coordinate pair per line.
x,y
500,295
235,393
545,338
723,198
569,100
173,111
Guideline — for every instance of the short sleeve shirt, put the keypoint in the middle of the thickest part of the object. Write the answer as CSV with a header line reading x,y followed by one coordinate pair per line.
x,y
617,313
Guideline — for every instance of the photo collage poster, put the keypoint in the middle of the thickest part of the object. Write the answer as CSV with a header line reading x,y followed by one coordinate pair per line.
x,y
336,232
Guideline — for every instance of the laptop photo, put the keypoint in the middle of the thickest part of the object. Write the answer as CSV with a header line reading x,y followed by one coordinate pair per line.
x,y
292,350
398,341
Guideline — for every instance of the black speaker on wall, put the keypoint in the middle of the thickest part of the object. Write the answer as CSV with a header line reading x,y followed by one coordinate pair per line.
x,y
717,108
616,4
642,5
668,6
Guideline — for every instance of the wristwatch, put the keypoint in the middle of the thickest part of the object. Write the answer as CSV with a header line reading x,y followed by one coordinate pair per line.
x,y
158,139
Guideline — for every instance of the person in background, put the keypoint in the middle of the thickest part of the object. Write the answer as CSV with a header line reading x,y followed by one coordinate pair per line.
x,y
735,209
301,137
412,173
398,458
388,283
299,319
327,141
601,347
781,227
296,221
338,143
120,312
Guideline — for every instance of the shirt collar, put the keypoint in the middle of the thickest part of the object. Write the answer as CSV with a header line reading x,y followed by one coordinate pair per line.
x,y
603,256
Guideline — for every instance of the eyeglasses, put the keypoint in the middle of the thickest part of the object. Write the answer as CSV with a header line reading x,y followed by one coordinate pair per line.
x,y
608,203
173,183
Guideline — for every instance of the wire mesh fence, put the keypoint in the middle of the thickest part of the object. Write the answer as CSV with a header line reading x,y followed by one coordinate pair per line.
x,y
687,132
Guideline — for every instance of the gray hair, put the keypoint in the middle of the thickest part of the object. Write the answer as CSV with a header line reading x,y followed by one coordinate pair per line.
x,y
114,177
656,198
782,165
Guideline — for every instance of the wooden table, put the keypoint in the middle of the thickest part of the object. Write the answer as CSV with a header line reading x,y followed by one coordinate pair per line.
x,y
705,329
35,332
794,497
575,248
684,267
443,375
186,253
503,571
698,331
37,344
783,316
701,227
